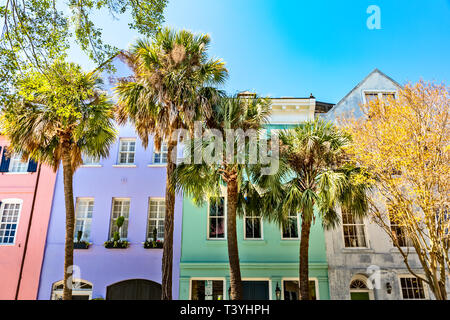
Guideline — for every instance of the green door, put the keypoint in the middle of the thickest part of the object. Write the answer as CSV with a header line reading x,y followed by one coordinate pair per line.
x,y
359,296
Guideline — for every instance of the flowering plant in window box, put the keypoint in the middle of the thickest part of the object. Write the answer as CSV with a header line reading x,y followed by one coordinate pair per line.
x,y
155,244
158,244
80,244
116,242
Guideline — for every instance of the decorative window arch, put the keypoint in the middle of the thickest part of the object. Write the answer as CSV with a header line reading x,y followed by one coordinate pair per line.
x,y
82,290
358,286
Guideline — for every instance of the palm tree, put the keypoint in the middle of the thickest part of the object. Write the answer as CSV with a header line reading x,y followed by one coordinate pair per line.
x,y
170,89
58,117
313,179
202,181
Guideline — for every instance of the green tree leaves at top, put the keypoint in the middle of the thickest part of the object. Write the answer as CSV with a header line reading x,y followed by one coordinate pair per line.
x,y
36,33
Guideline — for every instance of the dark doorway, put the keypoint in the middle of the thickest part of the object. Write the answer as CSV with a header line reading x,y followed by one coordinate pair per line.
x,y
255,290
136,289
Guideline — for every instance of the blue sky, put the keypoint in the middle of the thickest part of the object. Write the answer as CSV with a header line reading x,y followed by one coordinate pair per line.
x,y
294,48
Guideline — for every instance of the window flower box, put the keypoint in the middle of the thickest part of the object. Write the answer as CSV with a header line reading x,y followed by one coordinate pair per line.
x,y
158,244
120,244
81,245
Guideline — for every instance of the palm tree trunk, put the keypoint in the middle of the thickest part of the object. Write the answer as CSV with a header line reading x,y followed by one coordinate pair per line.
x,y
233,251
70,221
167,259
304,253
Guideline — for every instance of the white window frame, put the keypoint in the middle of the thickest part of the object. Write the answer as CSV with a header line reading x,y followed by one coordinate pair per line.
x,y
158,220
260,226
16,160
355,224
2,208
205,279
163,151
298,230
424,285
379,92
128,152
224,217
75,292
94,162
87,221
316,283
112,221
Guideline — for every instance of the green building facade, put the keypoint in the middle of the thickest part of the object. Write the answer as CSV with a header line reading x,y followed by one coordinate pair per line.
x,y
269,254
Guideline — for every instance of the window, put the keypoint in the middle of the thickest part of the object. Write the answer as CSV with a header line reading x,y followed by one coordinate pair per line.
x,y
290,228
17,165
9,220
216,218
83,218
371,96
398,231
81,290
90,160
291,290
121,208
207,289
412,288
353,228
156,214
253,227
127,150
160,157
388,95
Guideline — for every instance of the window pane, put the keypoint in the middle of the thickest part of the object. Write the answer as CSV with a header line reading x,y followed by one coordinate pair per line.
x,y
127,151
9,217
412,288
354,231
89,160
371,97
16,164
157,209
253,227
207,290
161,156
290,228
291,290
120,208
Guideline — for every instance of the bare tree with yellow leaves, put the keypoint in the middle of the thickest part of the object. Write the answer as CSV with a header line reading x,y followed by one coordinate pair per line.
x,y
404,144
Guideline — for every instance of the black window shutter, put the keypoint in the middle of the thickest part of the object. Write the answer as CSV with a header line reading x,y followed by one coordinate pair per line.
x,y
5,162
32,166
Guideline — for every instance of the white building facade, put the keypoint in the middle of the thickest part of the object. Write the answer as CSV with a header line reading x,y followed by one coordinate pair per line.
x,y
363,263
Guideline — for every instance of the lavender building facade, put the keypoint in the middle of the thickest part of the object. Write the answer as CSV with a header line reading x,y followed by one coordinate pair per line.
x,y
130,183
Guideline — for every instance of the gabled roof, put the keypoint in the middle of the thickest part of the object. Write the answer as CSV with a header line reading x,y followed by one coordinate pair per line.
x,y
376,70
364,80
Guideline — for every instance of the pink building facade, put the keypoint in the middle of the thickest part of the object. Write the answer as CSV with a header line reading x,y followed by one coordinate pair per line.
x,y
26,193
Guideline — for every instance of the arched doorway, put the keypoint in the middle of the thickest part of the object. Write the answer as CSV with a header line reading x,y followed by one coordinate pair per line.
x,y
135,289
81,290
359,289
